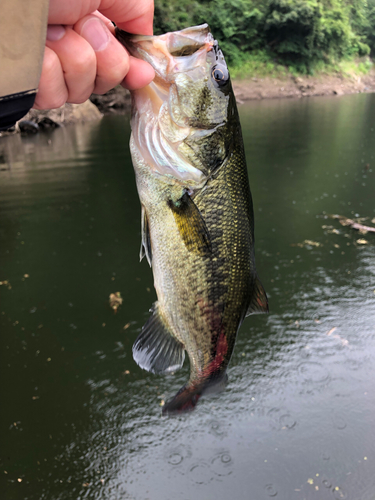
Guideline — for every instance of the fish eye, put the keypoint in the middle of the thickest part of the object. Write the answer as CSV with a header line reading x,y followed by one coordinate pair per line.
x,y
220,74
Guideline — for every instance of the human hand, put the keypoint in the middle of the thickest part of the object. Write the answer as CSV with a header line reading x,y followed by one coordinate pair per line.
x,y
82,55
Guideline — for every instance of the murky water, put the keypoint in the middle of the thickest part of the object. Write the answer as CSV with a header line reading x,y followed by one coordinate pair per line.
x,y
80,420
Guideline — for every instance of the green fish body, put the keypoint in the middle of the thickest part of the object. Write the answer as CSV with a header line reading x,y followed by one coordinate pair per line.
x,y
197,215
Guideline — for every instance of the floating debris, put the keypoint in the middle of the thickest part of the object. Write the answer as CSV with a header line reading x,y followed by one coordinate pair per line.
x,y
330,229
126,326
354,224
336,336
307,243
361,241
115,300
312,243
332,330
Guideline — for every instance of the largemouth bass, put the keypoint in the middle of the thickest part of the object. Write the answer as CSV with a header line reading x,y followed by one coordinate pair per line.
x,y
197,213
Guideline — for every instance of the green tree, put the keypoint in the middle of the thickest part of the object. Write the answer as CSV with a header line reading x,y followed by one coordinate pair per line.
x,y
293,32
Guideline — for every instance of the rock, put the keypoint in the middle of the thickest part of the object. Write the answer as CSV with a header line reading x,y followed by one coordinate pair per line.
x,y
28,127
69,113
46,123
116,101
297,80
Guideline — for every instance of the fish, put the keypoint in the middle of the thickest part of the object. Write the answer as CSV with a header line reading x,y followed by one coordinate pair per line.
x,y
197,220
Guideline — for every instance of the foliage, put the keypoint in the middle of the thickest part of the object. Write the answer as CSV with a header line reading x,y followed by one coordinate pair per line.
x,y
369,26
302,32
237,23
299,34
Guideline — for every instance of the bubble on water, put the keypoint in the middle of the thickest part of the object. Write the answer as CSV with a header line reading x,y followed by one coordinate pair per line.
x,y
201,473
314,372
270,490
175,456
339,422
281,419
339,493
222,464
175,459
287,421
326,483
225,458
217,428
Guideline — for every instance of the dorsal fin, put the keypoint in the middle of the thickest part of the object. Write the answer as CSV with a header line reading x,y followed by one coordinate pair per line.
x,y
190,223
146,241
156,349
259,301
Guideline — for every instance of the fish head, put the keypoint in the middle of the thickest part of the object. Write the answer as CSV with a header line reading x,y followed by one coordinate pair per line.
x,y
184,117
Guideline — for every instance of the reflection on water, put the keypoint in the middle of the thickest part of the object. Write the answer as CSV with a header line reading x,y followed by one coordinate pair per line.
x,y
79,419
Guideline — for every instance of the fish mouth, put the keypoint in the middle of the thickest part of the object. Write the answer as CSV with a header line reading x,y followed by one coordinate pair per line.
x,y
158,126
171,53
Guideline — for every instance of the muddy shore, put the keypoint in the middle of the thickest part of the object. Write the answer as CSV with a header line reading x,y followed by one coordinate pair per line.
x,y
306,86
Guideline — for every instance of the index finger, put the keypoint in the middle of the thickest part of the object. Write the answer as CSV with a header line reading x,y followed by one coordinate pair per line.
x,y
134,16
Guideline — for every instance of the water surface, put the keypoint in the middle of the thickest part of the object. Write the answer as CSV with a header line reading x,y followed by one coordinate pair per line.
x,y
80,420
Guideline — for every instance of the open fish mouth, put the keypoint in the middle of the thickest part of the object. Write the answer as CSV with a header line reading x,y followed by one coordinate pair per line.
x,y
171,53
160,122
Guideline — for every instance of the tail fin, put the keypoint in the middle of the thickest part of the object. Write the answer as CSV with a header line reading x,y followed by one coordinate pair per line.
x,y
188,396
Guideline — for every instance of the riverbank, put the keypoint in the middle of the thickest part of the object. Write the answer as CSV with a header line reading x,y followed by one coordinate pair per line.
x,y
117,101
302,86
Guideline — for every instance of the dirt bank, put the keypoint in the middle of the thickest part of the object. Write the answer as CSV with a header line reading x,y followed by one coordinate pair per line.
x,y
306,86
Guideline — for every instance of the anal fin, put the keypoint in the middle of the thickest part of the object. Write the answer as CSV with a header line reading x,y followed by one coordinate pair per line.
x,y
146,241
259,301
190,224
156,349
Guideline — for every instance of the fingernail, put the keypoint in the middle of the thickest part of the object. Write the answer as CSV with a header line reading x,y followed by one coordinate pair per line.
x,y
96,34
55,32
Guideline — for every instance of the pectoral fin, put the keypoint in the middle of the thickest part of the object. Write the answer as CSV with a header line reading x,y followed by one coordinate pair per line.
x,y
156,349
259,301
146,241
190,223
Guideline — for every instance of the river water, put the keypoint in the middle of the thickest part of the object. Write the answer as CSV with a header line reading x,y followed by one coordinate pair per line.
x,y
80,420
